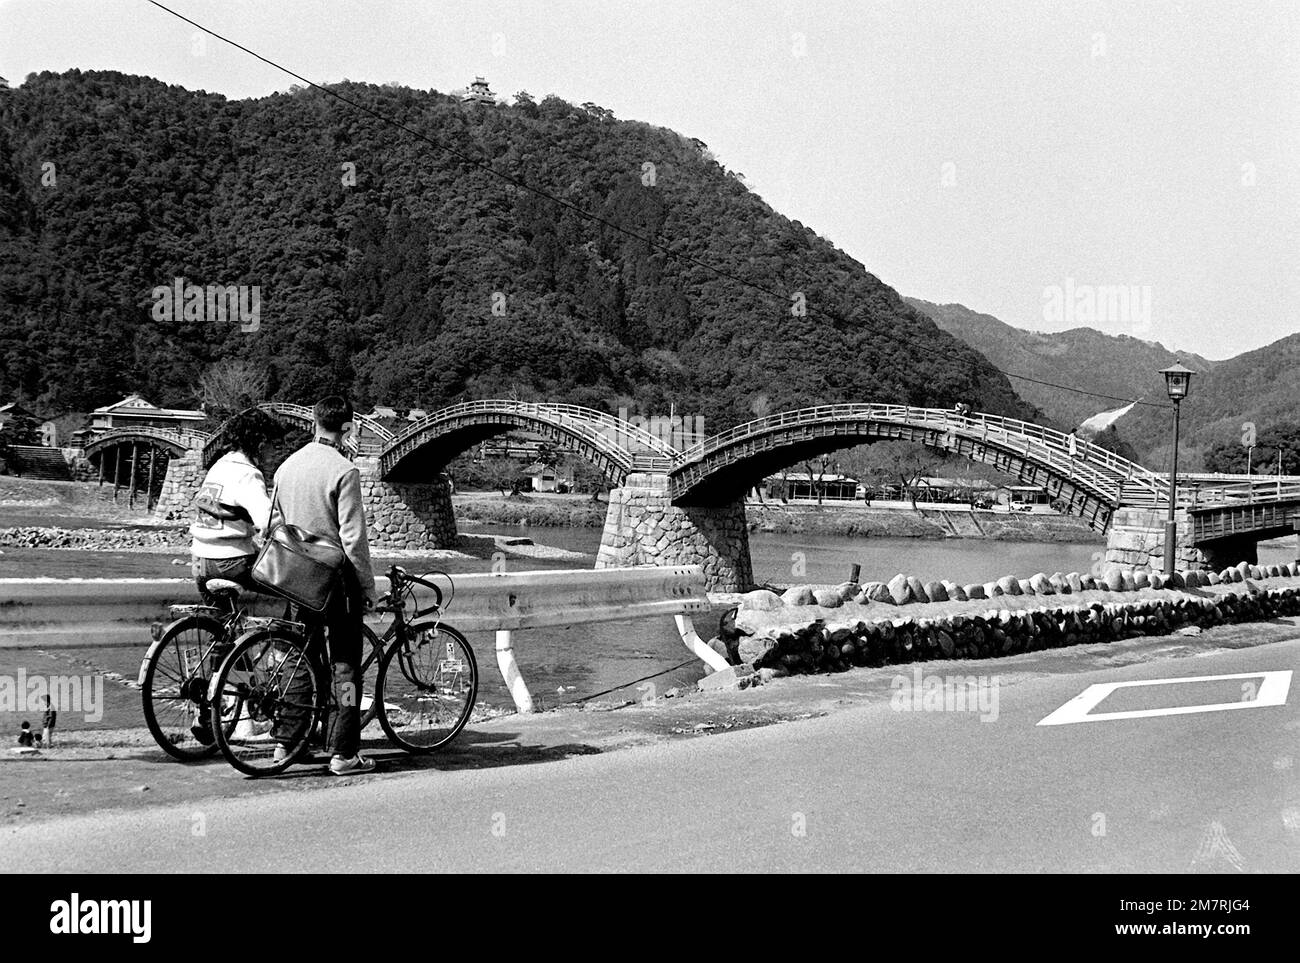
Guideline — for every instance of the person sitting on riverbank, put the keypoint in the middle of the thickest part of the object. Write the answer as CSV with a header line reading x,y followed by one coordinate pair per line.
x,y
231,504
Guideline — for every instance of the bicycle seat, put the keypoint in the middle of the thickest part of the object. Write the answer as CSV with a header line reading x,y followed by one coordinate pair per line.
x,y
223,585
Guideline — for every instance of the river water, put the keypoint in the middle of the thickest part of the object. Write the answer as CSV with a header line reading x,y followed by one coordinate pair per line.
x,y
567,665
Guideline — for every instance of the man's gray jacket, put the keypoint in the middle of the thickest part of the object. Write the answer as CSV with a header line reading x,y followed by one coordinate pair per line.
x,y
320,490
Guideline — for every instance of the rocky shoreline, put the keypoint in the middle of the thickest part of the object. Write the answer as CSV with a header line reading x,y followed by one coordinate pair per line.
x,y
816,630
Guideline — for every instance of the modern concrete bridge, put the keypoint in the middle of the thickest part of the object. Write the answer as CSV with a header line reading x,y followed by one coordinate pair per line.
x,y
671,507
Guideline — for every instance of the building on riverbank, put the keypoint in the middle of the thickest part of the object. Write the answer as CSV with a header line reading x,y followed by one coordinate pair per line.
x,y
134,411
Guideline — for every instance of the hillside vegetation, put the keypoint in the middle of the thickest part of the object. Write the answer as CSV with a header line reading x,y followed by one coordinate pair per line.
x,y
428,280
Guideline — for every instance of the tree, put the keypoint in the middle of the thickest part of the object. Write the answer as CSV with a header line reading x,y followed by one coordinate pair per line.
x,y
819,484
588,478
1233,457
503,474
228,387
21,430
547,454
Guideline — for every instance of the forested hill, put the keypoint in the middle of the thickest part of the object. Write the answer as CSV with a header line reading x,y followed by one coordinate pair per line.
x,y
1260,388
111,185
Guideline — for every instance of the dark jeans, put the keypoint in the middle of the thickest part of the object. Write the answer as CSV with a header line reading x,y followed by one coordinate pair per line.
x,y
336,637
235,569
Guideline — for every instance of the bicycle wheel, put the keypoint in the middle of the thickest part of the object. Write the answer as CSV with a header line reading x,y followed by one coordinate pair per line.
x,y
281,693
372,657
174,687
427,687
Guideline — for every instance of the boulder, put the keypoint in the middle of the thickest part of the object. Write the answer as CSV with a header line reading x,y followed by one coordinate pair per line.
x,y
1212,578
1126,580
848,590
900,591
1157,581
1075,581
955,592
1090,582
992,590
1114,580
1009,585
1025,587
1176,581
918,589
876,592
1060,585
732,677
754,648
935,592
798,595
1041,584
828,598
1141,579
975,592
761,600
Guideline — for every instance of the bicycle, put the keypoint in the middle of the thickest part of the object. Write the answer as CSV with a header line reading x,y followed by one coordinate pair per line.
x,y
176,671
425,690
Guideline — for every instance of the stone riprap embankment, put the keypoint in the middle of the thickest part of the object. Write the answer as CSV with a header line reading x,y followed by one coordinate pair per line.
x,y
96,539
810,630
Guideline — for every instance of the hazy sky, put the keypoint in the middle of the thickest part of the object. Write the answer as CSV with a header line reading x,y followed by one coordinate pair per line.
x,y
1013,157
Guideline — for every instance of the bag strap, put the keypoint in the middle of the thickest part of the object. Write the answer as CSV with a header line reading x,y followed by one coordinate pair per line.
x,y
275,509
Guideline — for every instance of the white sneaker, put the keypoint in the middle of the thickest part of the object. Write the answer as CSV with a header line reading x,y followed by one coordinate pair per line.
x,y
350,766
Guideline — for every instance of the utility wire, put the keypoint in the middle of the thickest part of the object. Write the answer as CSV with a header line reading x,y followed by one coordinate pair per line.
x,y
596,218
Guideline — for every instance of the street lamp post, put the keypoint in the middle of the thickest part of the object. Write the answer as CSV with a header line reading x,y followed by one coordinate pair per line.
x,y
1177,379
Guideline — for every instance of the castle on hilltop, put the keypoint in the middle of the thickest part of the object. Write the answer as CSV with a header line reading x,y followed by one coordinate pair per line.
x,y
478,93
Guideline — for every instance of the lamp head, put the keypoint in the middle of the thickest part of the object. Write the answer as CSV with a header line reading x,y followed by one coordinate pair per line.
x,y
1177,380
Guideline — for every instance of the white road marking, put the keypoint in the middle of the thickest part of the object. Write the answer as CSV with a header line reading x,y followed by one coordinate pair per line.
x,y
1273,690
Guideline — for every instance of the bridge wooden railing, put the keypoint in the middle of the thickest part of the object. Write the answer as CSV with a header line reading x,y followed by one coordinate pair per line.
x,y
1102,470
1207,491
628,445
187,438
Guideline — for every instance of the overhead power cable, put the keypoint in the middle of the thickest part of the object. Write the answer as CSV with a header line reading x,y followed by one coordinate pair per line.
x,y
580,212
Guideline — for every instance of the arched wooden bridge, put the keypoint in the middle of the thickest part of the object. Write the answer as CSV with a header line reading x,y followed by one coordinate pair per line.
x,y
1089,481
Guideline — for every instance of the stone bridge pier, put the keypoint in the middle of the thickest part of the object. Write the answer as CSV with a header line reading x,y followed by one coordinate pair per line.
x,y
1136,539
398,514
643,527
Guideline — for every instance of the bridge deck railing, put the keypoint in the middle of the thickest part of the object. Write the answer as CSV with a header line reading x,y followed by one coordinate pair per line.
x,y
619,439
1080,459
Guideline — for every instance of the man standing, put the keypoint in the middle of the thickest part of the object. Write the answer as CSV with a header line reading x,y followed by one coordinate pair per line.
x,y
319,489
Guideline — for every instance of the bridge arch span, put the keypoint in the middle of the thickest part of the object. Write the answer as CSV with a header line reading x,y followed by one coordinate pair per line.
x,y
370,434
615,448
1088,480
172,442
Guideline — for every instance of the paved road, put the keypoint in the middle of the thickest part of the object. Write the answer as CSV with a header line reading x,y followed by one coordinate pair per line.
x,y
863,789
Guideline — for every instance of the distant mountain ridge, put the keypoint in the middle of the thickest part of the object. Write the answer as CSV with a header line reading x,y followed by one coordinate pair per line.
x,y
1117,365
1260,387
